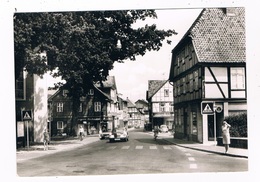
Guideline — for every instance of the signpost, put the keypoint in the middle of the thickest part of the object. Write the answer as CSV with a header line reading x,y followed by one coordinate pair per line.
x,y
208,108
27,116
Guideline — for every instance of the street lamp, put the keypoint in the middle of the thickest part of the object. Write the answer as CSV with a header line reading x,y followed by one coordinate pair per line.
x,y
118,44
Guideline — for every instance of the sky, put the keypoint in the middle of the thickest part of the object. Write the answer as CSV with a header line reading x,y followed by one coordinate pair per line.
x,y
132,76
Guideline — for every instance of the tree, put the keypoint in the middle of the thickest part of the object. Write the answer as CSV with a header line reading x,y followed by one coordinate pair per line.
x,y
82,45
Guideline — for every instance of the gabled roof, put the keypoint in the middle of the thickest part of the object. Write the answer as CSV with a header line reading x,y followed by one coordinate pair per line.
x,y
109,83
218,37
52,94
154,86
130,103
141,101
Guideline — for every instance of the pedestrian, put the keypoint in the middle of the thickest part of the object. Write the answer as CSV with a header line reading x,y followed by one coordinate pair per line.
x,y
46,139
81,133
226,135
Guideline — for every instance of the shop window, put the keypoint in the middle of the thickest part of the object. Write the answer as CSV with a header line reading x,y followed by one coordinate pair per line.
x,y
59,124
194,123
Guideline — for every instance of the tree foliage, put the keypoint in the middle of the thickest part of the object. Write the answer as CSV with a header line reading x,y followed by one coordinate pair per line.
x,y
82,45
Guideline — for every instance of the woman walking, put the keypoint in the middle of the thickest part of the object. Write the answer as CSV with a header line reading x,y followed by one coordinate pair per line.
x,y
46,139
226,135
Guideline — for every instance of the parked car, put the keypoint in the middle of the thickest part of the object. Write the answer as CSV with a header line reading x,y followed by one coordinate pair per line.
x,y
119,135
164,129
104,134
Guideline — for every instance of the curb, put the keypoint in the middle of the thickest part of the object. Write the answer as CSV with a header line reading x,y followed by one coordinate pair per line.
x,y
204,150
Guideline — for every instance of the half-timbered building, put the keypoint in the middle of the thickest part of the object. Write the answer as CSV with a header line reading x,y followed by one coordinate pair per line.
x,y
160,102
209,65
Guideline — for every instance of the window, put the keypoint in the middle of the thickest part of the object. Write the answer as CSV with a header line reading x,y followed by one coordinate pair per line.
x,y
166,92
59,124
20,87
97,106
80,107
191,82
60,107
171,106
184,85
91,92
65,92
178,87
237,78
162,107
196,80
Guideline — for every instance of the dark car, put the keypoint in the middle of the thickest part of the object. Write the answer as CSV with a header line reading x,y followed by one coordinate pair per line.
x,y
119,135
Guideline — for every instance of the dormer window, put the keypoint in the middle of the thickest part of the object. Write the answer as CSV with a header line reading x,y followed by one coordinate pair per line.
x,y
91,92
230,11
65,93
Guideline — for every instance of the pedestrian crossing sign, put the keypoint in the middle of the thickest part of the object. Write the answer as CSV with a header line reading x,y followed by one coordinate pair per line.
x,y
27,115
207,108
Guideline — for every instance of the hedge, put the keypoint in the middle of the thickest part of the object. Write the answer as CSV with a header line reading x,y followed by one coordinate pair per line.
x,y
238,125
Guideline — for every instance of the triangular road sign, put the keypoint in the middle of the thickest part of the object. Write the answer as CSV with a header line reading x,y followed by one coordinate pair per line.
x,y
207,109
27,115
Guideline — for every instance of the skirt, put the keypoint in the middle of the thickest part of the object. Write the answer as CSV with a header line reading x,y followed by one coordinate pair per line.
x,y
226,139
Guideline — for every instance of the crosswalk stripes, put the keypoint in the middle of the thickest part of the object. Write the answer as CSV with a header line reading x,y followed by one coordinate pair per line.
x,y
153,147
139,147
125,147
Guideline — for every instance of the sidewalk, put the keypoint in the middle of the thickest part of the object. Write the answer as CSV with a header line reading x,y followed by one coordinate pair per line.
x,y
209,147
55,146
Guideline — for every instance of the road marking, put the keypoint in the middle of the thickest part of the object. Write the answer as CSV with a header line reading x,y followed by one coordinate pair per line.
x,y
153,147
188,154
167,147
112,147
193,166
139,147
125,147
191,158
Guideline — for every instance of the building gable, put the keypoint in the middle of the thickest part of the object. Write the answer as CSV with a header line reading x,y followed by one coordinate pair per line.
x,y
154,86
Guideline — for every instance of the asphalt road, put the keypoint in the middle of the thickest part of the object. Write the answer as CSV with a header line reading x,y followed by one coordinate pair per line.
x,y
140,155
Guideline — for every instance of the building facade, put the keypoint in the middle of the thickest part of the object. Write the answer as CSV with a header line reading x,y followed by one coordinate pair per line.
x,y
160,103
142,107
209,66
31,108
98,109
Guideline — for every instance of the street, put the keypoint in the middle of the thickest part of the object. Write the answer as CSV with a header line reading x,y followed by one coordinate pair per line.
x,y
140,155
